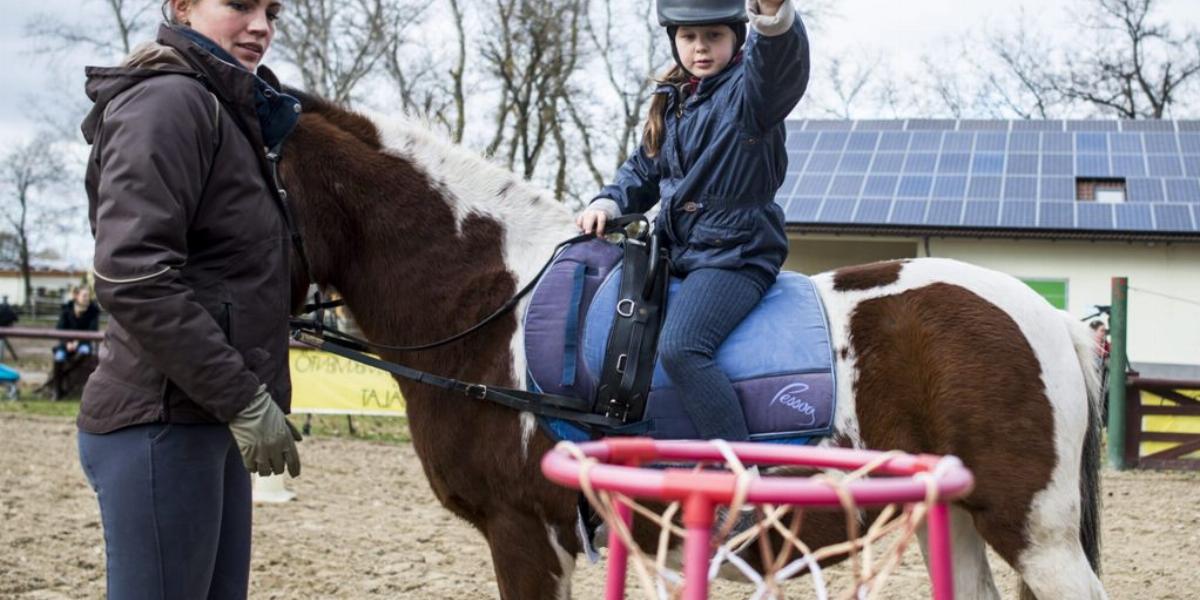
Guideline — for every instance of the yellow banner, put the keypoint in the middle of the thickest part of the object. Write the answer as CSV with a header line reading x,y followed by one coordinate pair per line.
x,y
326,384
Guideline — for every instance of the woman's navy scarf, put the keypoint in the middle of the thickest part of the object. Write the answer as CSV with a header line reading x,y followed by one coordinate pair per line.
x,y
277,112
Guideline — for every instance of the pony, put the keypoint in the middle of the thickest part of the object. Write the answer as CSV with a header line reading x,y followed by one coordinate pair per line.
x,y
423,239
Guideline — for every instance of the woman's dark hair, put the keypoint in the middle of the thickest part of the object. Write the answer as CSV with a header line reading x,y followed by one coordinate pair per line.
x,y
652,133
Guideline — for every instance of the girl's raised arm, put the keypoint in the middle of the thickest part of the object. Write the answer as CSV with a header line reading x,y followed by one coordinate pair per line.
x,y
777,63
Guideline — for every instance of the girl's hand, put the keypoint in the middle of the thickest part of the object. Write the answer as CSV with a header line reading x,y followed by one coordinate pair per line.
x,y
768,8
592,219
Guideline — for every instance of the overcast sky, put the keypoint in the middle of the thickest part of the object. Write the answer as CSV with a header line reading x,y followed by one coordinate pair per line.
x,y
899,32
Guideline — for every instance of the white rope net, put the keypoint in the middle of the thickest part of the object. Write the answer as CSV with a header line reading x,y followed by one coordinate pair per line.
x,y
873,552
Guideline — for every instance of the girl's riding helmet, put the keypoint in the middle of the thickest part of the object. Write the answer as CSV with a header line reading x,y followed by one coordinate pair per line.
x,y
674,13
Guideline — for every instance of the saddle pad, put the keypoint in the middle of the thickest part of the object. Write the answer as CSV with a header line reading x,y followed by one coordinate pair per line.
x,y
778,358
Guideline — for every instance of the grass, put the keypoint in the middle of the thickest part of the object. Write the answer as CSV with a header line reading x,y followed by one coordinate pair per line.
x,y
387,430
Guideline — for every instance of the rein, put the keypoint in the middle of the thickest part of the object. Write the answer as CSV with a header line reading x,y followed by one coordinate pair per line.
x,y
313,332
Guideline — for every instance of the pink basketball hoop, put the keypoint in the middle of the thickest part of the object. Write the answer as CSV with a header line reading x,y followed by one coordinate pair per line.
x,y
612,466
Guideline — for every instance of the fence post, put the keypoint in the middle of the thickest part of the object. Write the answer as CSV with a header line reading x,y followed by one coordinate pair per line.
x,y
1117,361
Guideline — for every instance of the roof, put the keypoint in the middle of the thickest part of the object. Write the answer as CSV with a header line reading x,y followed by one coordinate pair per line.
x,y
985,178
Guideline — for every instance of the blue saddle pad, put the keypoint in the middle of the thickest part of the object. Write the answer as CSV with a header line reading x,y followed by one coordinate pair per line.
x,y
778,358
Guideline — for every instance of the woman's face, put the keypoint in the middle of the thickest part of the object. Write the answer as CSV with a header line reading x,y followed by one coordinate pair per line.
x,y
83,297
705,50
243,28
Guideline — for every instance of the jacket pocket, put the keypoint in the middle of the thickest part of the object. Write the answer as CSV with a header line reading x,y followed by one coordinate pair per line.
x,y
706,235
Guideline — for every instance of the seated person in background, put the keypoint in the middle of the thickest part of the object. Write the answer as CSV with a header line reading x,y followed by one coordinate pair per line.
x,y
79,313
8,315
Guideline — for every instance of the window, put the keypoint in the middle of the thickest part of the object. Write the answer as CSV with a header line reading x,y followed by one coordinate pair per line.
x,y
1102,190
1053,290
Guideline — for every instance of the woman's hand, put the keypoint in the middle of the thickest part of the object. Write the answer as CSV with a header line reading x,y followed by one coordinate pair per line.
x,y
592,219
768,8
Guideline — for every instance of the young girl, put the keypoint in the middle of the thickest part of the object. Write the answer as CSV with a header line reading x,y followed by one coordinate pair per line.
x,y
713,154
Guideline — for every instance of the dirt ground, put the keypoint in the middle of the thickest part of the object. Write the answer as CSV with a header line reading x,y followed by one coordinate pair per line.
x,y
365,525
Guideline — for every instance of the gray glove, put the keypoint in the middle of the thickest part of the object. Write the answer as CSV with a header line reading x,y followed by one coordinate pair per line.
x,y
265,437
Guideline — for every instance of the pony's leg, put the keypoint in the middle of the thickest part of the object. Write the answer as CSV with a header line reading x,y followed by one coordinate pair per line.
x,y
528,557
1054,564
972,574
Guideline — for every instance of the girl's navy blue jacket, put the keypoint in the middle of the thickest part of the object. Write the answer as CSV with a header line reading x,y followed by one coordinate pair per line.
x,y
723,156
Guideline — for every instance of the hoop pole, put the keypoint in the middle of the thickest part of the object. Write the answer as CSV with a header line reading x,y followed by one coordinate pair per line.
x,y
698,518
618,556
941,571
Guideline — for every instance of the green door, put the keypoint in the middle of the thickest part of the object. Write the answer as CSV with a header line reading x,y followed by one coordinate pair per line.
x,y
1053,290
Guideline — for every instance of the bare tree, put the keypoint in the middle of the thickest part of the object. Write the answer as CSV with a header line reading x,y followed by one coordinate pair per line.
x,y
124,22
335,43
27,172
426,85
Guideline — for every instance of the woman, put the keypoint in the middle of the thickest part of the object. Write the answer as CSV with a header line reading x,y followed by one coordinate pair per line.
x,y
191,263
78,314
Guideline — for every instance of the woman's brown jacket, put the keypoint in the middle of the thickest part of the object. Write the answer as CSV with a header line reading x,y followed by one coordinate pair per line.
x,y
191,246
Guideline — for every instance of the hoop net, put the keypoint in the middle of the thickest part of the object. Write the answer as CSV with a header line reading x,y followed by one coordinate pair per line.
x,y
907,490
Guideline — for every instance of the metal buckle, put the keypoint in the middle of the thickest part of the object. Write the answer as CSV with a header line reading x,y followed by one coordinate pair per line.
x,y
625,308
477,391
621,360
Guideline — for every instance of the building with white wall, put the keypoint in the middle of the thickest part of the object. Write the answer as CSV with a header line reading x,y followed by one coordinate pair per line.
x,y
1063,205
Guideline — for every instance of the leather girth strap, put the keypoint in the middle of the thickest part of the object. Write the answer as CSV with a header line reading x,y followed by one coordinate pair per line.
x,y
629,357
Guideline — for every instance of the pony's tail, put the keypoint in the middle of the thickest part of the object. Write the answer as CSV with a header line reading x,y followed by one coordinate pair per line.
x,y
1089,468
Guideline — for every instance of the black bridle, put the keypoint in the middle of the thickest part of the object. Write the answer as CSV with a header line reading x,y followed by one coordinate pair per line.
x,y
314,332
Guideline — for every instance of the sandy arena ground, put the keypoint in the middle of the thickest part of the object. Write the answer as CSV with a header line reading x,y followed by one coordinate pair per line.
x,y
365,525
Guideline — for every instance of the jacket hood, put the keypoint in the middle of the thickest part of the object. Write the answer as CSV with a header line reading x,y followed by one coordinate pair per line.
x,y
150,59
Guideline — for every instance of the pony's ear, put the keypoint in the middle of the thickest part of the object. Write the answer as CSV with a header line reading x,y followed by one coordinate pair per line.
x,y
347,120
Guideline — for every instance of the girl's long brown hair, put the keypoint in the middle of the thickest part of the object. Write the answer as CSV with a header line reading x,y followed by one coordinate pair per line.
x,y
652,133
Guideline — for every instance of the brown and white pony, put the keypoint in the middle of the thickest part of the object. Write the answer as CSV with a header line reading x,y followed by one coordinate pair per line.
x,y
423,239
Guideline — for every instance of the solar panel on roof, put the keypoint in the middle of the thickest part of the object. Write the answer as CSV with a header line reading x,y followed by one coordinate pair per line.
x,y
1056,215
1058,142
789,183
1173,217
894,141
915,186
802,140
921,163
1147,125
855,162
991,141
1021,188
1022,164
1183,190
1031,125
988,164
846,185
958,141
879,125
828,125
1128,165
1191,164
982,214
1091,142
1092,165
862,141
1058,164
908,212
1190,142
927,124
1126,142
984,188
888,162
1093,215
1161,143
872,210
954,164
926,141
1134,216
823,162
881,186
1091,126
942,212
1018,214
813,185
1190,125
1058,188
803,209
832,141
1144,190
837,210
1024,142
1164,165
952,187
983,124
